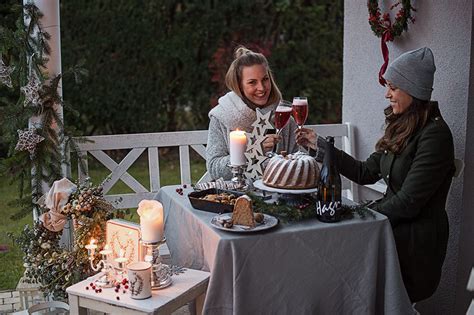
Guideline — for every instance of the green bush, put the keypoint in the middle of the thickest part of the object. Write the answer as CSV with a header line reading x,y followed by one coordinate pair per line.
x,y
159,65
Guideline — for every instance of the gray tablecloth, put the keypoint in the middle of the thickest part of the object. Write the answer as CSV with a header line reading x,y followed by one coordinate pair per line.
x,y
308,267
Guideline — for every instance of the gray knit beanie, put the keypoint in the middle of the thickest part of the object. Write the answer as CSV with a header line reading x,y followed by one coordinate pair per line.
x,y
413,72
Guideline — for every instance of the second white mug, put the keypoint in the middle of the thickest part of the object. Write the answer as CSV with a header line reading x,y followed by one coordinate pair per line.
x,y
139,278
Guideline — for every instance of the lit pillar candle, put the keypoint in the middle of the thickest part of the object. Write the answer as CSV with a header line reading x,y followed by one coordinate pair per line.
x,y
151,220
238,146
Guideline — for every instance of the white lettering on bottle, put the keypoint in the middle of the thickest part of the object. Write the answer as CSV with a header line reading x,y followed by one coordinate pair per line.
x,y
331,206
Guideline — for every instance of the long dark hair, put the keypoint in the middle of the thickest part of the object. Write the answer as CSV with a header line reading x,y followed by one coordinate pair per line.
x,y
400,127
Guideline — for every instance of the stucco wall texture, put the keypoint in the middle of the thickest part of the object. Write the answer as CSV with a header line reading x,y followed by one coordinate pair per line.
x,y
445,27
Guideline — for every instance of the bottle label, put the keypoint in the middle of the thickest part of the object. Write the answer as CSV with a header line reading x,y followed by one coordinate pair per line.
x,y
331,207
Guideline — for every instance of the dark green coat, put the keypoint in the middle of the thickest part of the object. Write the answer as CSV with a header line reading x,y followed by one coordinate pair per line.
x,y
418,180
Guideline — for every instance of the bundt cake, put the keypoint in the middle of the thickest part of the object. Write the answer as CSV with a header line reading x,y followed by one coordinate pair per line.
x,y
292,171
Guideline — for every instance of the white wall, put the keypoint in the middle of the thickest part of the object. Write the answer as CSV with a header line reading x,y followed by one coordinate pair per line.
x,y
445,27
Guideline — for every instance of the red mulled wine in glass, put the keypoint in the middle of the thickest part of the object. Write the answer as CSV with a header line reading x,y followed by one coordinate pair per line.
x,y
282,115
300,110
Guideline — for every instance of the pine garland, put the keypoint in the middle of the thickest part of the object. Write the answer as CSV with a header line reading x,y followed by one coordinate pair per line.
x,y
25,50
306,210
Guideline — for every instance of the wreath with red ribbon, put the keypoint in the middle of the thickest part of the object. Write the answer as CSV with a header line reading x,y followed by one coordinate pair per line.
x,y
382,26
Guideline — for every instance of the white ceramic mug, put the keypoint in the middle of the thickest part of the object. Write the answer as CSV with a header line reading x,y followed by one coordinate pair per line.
x,y
139,278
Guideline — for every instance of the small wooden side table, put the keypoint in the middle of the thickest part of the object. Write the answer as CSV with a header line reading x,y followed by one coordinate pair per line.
x,y
188,286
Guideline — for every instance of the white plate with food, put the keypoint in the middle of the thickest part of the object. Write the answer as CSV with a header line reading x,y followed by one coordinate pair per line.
x,y
260,185
222,221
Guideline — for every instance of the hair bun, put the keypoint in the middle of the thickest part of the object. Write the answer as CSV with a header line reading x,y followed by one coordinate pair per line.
x,y
240,51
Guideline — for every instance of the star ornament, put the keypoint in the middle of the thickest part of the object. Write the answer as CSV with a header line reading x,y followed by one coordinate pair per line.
x,y
255,155
254,166
262,123
256,145
5,74
28,140
31,91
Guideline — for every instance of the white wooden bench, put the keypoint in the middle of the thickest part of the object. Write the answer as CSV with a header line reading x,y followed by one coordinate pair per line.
x,y
137,144
151,142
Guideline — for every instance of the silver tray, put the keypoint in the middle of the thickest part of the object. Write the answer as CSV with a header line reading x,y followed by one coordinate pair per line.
x,y
260,185
268,222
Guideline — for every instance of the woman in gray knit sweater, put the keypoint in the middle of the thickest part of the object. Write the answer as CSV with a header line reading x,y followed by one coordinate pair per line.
x,y
252,86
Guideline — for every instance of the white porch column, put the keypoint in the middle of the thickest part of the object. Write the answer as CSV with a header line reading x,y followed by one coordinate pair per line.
x,y
50,23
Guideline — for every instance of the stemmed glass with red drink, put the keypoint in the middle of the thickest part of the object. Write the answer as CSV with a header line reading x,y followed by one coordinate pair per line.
x,y
282,115
300,110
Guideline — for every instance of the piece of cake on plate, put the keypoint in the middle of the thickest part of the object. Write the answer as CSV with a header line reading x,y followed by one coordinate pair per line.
x,y
243,212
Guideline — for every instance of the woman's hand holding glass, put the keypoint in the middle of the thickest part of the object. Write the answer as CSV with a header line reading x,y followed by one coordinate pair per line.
x,y
270,142
306,137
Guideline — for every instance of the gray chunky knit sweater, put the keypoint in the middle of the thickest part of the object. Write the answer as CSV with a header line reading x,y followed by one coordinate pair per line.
x,y
232,113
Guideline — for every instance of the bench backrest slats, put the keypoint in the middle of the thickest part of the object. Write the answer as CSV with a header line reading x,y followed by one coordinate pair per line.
x,y
151,142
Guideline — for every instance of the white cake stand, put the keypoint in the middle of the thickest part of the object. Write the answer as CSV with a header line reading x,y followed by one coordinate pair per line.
x,y
293,197
260,185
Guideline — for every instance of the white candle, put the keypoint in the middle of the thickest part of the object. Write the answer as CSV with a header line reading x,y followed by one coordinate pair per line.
x,y
151,220
105,251
120,260
238,146
91,247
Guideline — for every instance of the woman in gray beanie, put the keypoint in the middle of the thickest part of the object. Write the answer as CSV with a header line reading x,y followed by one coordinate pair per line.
x,y
252,86
415,158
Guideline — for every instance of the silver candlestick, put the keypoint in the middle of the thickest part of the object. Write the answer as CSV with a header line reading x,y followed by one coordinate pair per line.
x,y
238,177
160,273
107,280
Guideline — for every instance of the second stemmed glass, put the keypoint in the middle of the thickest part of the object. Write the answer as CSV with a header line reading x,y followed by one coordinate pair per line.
x,y
282,117
300,111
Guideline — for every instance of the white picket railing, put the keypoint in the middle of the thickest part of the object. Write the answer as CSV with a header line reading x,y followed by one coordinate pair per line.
x,y
151,142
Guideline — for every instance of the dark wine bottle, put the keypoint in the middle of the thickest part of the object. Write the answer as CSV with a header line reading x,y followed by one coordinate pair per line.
x,y
328,206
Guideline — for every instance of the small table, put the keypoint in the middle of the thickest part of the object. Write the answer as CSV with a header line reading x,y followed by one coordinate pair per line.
x,y
188,286
305,267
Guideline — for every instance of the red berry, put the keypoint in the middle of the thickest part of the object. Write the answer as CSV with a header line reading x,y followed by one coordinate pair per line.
x,y
100,290
124,281
184,186
87,288
118,297
126,286
91,284
124,291
116,290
